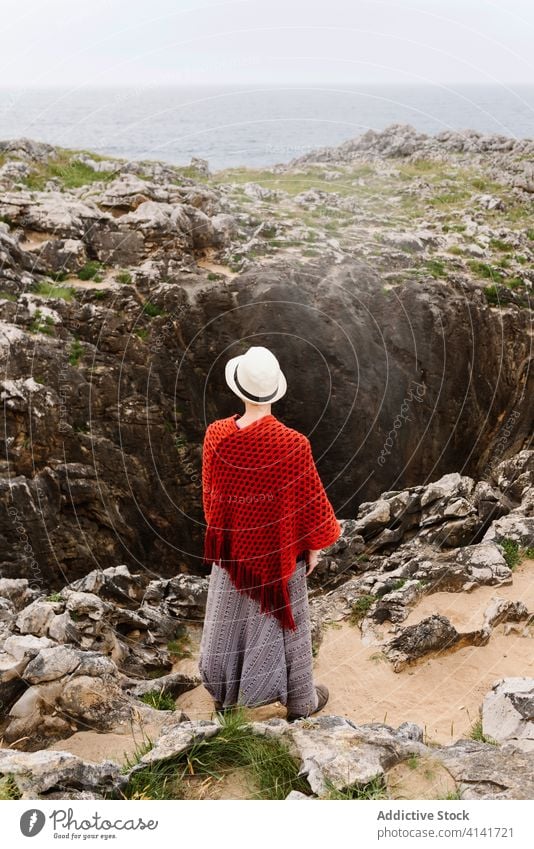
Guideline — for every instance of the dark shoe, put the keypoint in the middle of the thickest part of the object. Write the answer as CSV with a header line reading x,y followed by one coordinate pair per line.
x,y
322,695
219,707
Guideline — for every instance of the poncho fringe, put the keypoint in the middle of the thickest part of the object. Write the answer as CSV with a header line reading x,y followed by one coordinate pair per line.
x,y
273,597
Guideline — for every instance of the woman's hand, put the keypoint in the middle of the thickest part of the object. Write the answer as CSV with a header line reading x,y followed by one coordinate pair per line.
x,y
313,558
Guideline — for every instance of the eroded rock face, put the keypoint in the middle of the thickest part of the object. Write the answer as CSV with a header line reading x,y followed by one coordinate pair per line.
x,y
59,775
79,660
484,771
92,425
337,752
508,713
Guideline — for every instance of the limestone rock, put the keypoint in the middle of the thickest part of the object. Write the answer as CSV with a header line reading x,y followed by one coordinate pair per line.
x,y
40,774
51,663
516,527
484,771
177,739
183,596
336,750
508,712
434,633
61,255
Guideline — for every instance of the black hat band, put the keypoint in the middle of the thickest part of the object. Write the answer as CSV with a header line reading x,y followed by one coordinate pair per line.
x,y
257,398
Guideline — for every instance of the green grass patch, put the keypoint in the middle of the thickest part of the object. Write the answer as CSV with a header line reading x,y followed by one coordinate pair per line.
x,y
482,269
476,733
158,700
151,309
133,759
41,324
180,647
191,173
75,353
374,789
450,796
54,597
270,769
436,267
91,271
501,245
492,295
53,290
514,553
511,552
124,277
448,198
360,608
71,174
8,789
293,184
7,296
58,276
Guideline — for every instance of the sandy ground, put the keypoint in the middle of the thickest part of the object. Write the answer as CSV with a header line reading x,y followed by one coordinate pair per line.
x,y
208,264
118,747
442,694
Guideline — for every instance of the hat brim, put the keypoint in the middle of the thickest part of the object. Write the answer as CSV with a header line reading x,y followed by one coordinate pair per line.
x,y
229,377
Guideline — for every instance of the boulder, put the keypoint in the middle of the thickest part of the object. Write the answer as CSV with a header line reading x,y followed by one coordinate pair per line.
x,y
40,775
484,771
176,739
508,712
432,634
337,752
51,663
60,255
514,526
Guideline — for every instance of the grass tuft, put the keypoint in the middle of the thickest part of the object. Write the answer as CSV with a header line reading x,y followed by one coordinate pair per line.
x,y
159,700
270,770
374,789
76,352
53,290
9,789
476,733
514,553
360,608
91,271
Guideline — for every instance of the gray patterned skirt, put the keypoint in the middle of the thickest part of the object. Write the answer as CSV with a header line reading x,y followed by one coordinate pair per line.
x,y
247,658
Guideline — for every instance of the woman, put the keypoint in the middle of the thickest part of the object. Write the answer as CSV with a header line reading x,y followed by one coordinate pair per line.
x,y
267,516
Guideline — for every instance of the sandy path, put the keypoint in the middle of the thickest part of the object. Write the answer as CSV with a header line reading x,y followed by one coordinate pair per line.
x,y
442,694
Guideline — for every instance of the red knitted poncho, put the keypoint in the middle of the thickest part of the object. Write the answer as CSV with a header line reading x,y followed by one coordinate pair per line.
x,y
264,505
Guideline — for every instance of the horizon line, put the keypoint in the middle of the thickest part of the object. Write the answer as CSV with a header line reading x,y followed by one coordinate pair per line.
x,y
291,84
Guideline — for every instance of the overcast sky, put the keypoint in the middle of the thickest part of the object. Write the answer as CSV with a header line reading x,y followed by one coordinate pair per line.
x,y
143,42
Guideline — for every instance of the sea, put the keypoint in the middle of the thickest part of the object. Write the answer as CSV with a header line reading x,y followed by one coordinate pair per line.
x,y
253,126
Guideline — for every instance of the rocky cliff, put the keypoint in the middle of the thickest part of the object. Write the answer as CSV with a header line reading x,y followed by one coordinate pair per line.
x,y
392,275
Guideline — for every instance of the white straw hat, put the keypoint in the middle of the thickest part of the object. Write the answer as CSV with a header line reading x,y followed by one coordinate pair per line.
x,y
256,376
